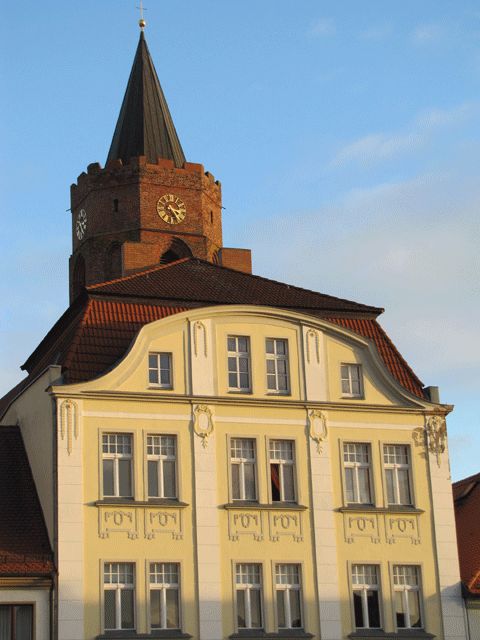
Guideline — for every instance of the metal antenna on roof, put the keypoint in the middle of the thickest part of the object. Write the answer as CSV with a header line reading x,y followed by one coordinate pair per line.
x,y
142,22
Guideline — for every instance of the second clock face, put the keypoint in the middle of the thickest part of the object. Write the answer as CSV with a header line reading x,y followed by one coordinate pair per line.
x,y
171,209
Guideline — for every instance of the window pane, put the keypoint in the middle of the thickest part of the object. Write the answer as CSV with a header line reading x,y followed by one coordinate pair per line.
x,y
288,483
403,486
23,623
373,610
241,609
345,386
244,381
250,493
357,605
282,383
281,608
243,344
125,478
231,344
236,482
165,361
271,383
281,347
270,366
269,346
295,608
5,623
165,377
127,609
172,609
232,380
275,478
243,365
414,609
364,485
108,489
255,607
390,489
400,610
349,485
110,609
153,479
232,364
155,618
152,361
153,376
169,488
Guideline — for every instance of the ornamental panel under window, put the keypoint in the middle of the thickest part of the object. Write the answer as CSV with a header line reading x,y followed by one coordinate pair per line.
x,y
243,468
366,604
288,596
119,596
161,465
164,595
239,370
352,383
396,459
282,470
16,622
248,587
356,462
277,365
117,454
160,370
407,590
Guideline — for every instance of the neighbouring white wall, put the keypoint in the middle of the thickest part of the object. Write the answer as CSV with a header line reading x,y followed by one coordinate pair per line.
x,y
40,598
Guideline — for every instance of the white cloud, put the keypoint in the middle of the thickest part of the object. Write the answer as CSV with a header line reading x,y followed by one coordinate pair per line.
x,y
427,34
323,27
379,32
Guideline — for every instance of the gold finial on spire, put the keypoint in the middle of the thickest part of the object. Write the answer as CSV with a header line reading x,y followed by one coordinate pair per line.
x,y
142,22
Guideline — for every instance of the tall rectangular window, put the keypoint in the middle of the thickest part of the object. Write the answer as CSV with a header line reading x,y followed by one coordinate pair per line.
x,y
288,591
248,587
282,470
277,365
356,462
406,585
117,465
396,460
239,363
161,463
366,605
119,595
352,384
164,595
16,622
242,460
160,369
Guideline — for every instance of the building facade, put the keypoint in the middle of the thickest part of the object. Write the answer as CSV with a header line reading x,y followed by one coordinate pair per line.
x,y
219,455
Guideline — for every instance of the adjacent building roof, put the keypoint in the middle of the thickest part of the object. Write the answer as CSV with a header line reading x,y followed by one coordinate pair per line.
x,y
24,546
145,126
466,495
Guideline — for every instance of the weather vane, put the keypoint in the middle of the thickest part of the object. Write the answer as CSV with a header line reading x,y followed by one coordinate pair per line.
x,y
141,23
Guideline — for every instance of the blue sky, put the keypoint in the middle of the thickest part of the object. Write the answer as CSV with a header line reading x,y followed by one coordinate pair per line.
x,y
346,136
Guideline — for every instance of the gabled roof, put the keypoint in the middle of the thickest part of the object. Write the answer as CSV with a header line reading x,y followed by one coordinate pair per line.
x,y
466,495
24,545
145,126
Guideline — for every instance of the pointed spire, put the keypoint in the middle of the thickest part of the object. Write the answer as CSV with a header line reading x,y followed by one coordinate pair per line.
x,y
145,126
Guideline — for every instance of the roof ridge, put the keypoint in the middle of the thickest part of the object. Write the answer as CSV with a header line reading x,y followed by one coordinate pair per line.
x,y
474,478
132,276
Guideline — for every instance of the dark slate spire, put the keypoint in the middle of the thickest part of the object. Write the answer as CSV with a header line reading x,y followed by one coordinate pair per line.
x,y
145,126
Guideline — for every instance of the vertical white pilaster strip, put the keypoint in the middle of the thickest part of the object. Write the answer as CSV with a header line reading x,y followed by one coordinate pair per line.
x,y
202,358
314,359
325,542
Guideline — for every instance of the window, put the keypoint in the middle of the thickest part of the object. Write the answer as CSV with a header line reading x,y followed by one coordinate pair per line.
x,y
365,596
248,586
115,205
397,474
119,595
277,365
406,585
164,595
282,470
242,458
117,465
161,463
352,386
16,622
288,590
160,369
356,461
238,363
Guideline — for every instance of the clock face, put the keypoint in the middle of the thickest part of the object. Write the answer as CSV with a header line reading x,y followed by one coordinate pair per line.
x,y
81,225
171,209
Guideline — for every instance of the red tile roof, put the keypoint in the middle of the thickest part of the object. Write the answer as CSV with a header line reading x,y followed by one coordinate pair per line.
x,y
24,545
466,495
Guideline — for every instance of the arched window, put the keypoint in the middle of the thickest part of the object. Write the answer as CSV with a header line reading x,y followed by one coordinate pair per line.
x,y
178,249
78,276
113,261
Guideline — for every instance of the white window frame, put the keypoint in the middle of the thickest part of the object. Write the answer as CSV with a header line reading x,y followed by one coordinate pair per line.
x,y
287,588
160,458
355,466
248,587
237,354
282,462
364,588
12,606
241,461
275,358
350,368
158,369
163,587
115,456
404,589
118,588
395,466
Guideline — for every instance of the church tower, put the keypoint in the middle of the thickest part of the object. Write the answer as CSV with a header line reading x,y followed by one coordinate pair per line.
x,y
148,205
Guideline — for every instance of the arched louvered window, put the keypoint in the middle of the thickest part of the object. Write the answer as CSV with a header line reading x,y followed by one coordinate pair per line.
x,y
177,250
113,262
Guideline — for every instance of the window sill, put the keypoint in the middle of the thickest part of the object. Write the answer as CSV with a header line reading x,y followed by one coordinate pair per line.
x,y
166,634
240,392
347,397
284,394
274,506
413,634
259,634
153,502
158,387
373,509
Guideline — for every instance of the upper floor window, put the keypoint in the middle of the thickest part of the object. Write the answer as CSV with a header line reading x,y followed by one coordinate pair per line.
x,y
288,590
164,595
282,470
242,459
16,622
366,605
356,462
352,383
239,363
160,369
161,463
397,473
248,587
406,585
119,595
277,365
117,465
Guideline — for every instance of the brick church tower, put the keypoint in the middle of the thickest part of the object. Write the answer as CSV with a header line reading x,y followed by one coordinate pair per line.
x,y
147,206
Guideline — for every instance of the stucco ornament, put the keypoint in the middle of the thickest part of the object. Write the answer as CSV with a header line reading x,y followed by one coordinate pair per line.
x,y
68,423
317,426
203,422
436,436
